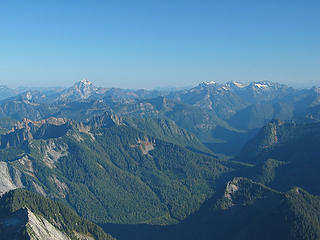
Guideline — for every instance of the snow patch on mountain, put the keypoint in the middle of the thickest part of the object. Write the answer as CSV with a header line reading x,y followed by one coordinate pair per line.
x,y
29,95
239,85
208,83
85,82
261,85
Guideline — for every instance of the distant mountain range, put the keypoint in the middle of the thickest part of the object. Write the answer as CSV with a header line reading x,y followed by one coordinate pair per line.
x,y
217,161
220,115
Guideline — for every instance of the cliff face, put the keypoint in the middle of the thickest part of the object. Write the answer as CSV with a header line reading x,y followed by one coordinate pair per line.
x,y
278,139
16,165
274,134
24,224
10,178
26,215
249,210
26,130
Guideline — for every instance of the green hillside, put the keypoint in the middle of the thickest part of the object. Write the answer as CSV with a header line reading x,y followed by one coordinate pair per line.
x,y
113,173
248,210
243,210
60,216
295,150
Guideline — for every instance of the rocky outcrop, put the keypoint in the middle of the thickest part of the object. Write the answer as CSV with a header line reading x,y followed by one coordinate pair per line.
x,y
106,120
39,228
26,130
27,123
28,216
10,178
53,152
25,224
145,145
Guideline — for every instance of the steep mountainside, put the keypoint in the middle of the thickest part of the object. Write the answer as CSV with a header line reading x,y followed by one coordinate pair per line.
x,y
201,122
257,115
286,154
167,130
26,215
6,92
6,124
280,135
130,159
108,171
248,210
243,210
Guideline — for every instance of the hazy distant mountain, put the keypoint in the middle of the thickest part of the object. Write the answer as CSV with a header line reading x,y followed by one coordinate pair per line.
x,y
30,104
227,99
30,96
218,114
265,91
311,114
211,96
257,115
83,89
6,92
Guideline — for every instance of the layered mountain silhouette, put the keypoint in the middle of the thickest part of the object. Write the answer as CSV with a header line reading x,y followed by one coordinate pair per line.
x,y
217,161
220,115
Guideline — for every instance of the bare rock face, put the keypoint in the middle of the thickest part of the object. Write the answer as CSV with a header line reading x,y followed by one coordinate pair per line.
x,y
9,181
27,123
35,227
145,145
231,188
53,152
106,120
40,229
24,224
27,130
11,178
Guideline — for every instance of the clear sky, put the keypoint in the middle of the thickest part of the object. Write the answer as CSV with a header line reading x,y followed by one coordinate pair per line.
x,y
158,43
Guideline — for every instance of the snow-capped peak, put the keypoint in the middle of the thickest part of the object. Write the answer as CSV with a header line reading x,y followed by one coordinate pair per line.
x,y
259,85
208,83
28,95
85,82
235,85
239,85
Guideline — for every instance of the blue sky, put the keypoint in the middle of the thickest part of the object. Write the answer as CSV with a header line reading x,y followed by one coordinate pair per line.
x,y
146,44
